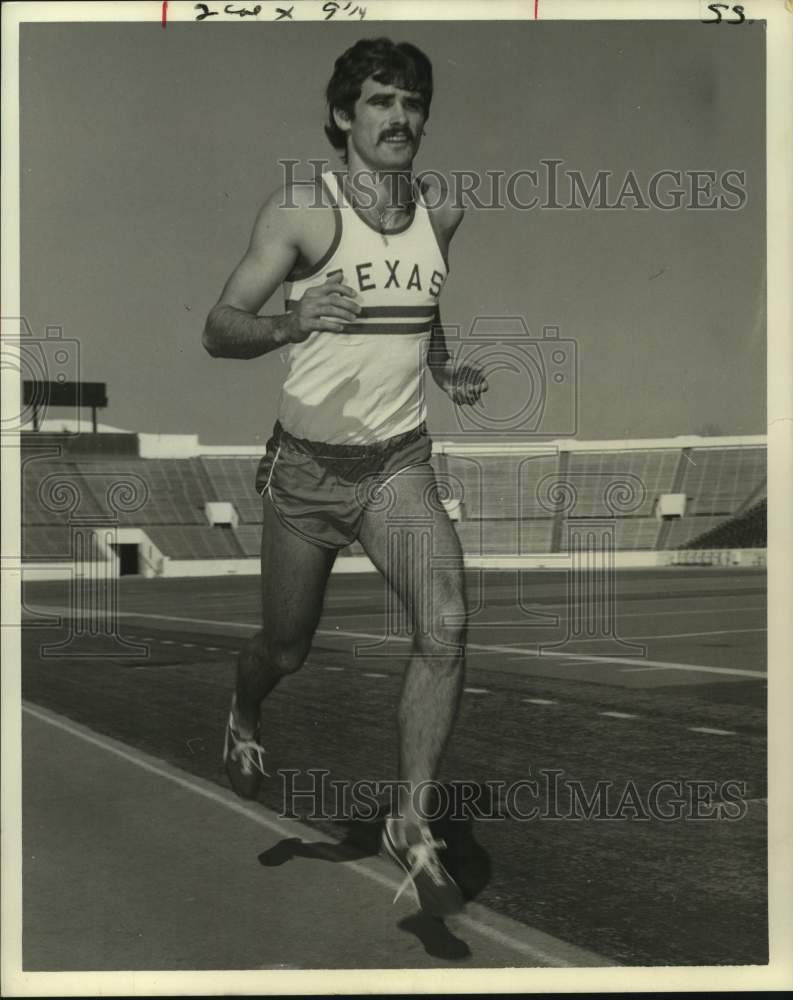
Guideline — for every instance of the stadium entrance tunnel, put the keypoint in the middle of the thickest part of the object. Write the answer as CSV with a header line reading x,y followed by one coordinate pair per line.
x,y
128,562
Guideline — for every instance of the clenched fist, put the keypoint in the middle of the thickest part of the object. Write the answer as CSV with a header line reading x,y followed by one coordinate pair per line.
x,y
463,385
329,306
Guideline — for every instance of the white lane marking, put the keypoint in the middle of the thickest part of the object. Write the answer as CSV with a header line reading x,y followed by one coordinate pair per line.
x,y
558,663
373,673
639,670
619,615
712,732
549,654
333,668
687,635
686,667
540,701
534,615
576,957
619,715
212,649
187,645
250,626
476,691
167,642
359,615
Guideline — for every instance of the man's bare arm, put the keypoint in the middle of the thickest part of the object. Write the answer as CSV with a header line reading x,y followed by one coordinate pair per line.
x,y
464,385
438,357
234,330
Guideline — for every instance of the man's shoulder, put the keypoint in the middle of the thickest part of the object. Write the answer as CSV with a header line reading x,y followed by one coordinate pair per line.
x,y
294,205
439,197
301,195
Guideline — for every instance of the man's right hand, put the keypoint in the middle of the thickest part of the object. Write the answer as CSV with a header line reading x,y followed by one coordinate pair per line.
x,y
329,306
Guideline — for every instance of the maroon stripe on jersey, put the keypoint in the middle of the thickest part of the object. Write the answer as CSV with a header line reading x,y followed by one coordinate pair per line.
x,y
373,329
386,312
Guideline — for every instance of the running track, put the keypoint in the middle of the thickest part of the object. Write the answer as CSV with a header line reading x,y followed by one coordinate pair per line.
x,y
680,696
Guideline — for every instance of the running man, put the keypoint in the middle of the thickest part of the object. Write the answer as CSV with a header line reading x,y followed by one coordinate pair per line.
x,y
362,257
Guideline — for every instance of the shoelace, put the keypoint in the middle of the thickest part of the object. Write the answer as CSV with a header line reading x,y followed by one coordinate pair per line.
x,y
249,751
423,858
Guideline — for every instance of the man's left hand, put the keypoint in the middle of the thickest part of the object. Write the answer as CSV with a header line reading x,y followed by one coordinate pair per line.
x,y
463,385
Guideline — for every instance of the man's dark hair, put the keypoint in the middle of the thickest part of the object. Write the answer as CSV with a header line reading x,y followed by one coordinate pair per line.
x,y
398,64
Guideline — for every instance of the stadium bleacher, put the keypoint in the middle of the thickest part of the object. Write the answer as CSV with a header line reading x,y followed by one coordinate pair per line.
x,y
249,539
160,491
53,492
193,541
512,501
231,478
717,480
747,530
683,530
45,543
595,475
496,487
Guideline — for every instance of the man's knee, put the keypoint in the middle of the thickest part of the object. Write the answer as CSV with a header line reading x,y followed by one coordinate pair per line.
x,y
442,634
288,657
285,656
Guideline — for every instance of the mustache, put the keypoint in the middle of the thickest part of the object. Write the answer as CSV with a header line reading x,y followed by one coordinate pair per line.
x,y
400,133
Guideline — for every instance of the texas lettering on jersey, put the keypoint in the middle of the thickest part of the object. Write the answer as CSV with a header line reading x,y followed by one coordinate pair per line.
x,y
394,274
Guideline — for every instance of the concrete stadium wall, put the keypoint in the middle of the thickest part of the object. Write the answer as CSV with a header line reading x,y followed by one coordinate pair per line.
x,y
360,564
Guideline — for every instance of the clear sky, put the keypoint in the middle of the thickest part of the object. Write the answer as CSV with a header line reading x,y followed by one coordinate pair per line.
x,y
146,154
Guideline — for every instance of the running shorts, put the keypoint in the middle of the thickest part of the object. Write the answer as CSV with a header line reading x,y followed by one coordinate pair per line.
x,y
321,491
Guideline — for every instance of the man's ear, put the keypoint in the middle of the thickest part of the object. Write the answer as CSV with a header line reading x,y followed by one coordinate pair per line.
x,y
342,119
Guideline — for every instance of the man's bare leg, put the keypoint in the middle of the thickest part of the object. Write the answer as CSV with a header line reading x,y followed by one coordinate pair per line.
x,y
432,591
294,576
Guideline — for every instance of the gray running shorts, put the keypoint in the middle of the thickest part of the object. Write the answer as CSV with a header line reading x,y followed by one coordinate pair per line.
x,y
321,491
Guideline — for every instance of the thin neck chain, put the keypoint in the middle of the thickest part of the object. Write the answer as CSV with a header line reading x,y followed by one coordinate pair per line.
x,y
380,213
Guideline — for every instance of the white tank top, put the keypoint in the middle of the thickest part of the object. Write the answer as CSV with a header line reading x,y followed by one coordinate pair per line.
x,y
366,384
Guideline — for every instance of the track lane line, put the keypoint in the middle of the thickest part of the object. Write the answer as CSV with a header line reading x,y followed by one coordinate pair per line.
x,y
620,615
677,635
481,647
500,929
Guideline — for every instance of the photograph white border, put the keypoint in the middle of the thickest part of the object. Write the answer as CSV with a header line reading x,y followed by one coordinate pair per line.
x,y
779,117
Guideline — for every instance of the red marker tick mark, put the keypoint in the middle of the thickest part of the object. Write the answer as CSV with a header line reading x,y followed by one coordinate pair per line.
x,y
536,9
165,12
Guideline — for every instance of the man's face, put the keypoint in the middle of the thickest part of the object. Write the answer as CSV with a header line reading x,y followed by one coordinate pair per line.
x,y
385,130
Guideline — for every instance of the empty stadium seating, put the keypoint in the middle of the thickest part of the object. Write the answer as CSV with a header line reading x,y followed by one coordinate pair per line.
x,y
746,530
232,478
193,541
497,486
718,480
686,528
505,537
512,503
54,491
249,538
46,543
609,483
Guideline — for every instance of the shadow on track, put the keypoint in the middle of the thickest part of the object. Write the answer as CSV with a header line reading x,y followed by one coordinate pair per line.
x,y
465,859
